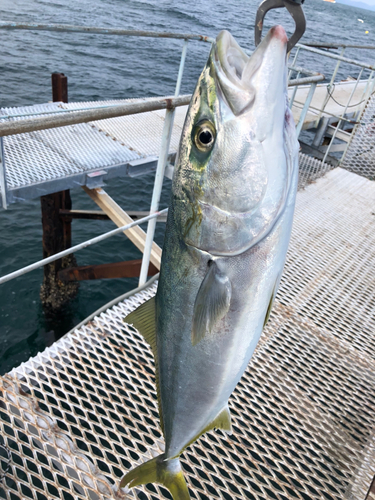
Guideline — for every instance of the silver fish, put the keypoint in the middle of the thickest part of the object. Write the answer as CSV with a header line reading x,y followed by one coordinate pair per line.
x,y
227,234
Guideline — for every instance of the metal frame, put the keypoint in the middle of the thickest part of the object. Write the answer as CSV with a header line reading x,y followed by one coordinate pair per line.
x,y
80,246
61,118
322,122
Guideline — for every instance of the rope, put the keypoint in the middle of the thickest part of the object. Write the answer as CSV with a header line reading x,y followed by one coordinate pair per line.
x,y
344,105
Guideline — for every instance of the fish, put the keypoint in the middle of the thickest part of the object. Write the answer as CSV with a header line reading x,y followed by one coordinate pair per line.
x,y
227,234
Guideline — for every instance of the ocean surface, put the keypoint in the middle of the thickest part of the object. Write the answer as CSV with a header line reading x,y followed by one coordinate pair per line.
x,y
103,67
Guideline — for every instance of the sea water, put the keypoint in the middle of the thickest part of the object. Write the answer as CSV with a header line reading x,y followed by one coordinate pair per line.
x,y
112,67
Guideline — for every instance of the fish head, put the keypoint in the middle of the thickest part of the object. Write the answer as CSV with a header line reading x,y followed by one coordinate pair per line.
x,y
238,150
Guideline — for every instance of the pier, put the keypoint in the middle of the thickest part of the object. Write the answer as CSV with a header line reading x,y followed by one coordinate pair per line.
x,y
79,415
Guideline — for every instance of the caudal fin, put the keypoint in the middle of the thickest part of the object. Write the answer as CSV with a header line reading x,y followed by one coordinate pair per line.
x,y
158,470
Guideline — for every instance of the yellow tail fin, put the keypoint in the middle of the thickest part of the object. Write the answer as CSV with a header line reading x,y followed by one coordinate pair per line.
x,y
158,470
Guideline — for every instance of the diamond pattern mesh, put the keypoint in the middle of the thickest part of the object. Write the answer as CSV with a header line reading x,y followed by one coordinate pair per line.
x,y
360,155
53,154
79,415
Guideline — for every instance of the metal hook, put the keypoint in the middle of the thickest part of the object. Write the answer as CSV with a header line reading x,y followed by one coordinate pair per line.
x,y
295,10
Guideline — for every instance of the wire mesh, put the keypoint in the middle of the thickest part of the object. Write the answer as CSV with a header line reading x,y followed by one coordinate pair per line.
x,y
360,155
82,413
49,155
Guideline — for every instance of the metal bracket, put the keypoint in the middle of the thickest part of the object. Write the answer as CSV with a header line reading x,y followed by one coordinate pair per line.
x,y
142,166
95,179
295,10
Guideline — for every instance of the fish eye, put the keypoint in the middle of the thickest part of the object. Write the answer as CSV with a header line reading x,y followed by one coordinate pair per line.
x,y
204,136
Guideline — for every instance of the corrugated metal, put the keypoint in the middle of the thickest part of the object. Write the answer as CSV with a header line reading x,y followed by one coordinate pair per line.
x,y
79,415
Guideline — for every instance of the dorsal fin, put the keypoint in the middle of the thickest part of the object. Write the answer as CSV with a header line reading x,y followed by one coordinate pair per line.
x,y
212,302
144,320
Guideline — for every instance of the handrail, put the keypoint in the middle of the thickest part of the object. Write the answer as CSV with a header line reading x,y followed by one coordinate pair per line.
x,y
80,246
304,81
74,117
70,28
335,56
337,45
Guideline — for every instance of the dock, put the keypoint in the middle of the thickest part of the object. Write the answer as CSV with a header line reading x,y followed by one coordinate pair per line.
x,y
79,415
82,413
89,154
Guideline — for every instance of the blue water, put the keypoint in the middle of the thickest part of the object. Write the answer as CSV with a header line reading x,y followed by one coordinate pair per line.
x,y
103,67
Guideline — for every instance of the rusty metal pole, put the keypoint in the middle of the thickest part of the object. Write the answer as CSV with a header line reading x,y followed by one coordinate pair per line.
x,y
57,234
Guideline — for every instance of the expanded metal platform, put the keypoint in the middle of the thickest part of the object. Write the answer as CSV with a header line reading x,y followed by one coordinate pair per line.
x,y
82,413
39,163
360,155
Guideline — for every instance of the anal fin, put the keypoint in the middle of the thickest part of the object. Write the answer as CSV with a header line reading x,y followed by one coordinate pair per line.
x,y
223,421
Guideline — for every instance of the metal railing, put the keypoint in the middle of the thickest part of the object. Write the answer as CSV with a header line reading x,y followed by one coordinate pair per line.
x,y
347,117
80,246
68,117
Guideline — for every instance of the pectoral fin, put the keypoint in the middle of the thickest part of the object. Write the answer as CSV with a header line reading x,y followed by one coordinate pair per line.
x,y
212,302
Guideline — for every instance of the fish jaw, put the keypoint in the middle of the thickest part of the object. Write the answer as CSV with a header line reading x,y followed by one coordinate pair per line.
x,y
231,195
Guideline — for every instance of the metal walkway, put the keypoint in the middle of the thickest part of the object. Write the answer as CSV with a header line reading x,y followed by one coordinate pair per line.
x,y
42,162
79,415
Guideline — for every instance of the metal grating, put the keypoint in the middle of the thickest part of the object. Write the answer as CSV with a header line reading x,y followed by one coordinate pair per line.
x,y
81,413
310,169
360,155
51,155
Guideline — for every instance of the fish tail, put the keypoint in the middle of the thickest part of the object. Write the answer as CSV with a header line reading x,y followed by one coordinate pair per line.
x,y
162,471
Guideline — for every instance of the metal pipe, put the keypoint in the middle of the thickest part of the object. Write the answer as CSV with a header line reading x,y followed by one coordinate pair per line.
x,y
337,45
343,114
69,28
305,108
293,63
291,101
334,56
304,81
74,117
80,246
159,176
3,181
301,69
59,111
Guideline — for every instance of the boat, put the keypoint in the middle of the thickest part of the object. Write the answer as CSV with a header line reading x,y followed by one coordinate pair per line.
x,y
78,415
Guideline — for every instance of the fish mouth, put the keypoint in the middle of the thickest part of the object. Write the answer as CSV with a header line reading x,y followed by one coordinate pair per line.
x,y
239,75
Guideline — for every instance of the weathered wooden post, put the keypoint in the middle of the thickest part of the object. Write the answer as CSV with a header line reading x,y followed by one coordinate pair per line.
x,y
55,293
